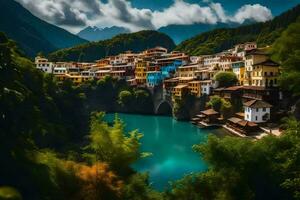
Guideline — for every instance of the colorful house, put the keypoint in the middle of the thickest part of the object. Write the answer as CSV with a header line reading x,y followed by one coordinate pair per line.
x,y
154,78
179,91
253,57
170,69
188,70
239,69
195,88
140,72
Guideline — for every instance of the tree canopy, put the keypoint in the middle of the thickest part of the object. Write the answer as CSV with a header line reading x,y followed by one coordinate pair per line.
x,y
286,50
226,79
245,169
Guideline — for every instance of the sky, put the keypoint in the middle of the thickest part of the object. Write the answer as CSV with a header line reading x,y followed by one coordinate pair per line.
x,y
74,15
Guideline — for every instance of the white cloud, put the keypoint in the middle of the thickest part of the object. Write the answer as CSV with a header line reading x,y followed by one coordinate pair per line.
x,y
184,13
217,7
254,12
75,14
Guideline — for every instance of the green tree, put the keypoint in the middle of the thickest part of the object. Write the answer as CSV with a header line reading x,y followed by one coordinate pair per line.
x,y
244,169
221,105
126,98
138,188
226,109
111,144
226,79
9,193
215,103
286,50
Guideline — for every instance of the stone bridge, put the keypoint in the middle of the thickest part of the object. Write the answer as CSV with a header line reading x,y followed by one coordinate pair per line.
x,y
162,105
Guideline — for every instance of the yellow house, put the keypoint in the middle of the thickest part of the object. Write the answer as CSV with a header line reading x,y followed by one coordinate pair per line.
x,y
252,58
141,72
179,91
239,69
188,71
77,79
265,74
195,88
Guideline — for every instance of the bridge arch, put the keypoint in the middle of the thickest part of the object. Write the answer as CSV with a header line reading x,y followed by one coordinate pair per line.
x,y
163,108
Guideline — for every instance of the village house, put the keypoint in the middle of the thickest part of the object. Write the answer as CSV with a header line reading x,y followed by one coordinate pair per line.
x,y
140,72
252,58
102,63
257,111
195,88
154,78
77,79
238,68
179,91
241,49
206,86
265,74
153,53
169,70
44,65
188,71
168,85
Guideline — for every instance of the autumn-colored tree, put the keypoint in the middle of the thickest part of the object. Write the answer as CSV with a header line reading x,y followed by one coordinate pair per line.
x,y
96,181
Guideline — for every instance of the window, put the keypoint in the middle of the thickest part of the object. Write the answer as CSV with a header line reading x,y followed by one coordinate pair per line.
x,y
257,109
264,109
256,118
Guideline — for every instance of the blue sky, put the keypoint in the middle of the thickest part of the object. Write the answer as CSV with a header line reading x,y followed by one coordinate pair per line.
x,y
135,15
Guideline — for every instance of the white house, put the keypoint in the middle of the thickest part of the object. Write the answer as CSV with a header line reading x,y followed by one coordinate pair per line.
x,y
60,70
207,86
257,111
44,65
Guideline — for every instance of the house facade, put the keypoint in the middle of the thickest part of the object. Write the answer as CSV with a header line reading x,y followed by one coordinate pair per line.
x,y
257,111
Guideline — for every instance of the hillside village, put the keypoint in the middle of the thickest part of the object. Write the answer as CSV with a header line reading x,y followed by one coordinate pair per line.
x,y
180,74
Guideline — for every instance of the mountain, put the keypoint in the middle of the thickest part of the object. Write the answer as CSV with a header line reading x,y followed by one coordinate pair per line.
x,y
31,33
97,34
220,39
96,50
180,33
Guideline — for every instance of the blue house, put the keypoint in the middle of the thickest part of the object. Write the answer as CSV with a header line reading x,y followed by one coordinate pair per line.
x,y
154,78
171,68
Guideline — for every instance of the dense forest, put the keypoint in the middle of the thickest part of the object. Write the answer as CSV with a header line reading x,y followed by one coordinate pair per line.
x,y
225,38
135,42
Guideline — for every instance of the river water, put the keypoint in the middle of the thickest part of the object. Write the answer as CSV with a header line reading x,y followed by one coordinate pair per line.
x,y
170,143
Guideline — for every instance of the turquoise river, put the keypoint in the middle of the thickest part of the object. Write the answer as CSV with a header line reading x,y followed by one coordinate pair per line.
x,y
170,142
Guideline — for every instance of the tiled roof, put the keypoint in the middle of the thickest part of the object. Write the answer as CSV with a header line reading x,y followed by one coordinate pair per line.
x,y
256,52
268,63
209,112
247,123
180,86
234,88
257,104
234,120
